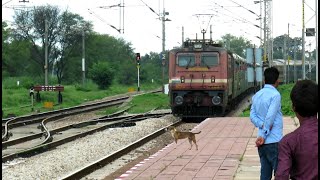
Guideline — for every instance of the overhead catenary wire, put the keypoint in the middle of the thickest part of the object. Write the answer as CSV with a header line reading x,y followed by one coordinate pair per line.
x,y
6,2
235,20
109,7
245,8
243,19
150,8
101,19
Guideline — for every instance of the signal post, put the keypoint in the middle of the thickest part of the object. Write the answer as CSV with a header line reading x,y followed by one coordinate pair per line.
x,y
138,67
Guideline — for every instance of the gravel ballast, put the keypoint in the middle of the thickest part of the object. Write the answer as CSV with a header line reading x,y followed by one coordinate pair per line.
x,y
66,158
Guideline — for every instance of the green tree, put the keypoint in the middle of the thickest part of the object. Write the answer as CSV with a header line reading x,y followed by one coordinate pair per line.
x,y
235,44
151,68
127,74
15,54
293,46
72,29
102,74
5,44
61,35
102,47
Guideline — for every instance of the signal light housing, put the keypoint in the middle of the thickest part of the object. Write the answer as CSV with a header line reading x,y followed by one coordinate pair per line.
x,y
137,56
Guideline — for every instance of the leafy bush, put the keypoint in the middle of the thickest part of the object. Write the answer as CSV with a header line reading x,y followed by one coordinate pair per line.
x,y
101,74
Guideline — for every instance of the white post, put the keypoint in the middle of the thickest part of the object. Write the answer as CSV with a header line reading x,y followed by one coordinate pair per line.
x,y
83,59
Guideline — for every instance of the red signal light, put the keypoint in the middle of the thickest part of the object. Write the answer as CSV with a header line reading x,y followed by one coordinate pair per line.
x,y
137,56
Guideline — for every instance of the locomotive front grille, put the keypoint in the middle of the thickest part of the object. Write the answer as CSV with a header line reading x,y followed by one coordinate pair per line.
x,y
197,111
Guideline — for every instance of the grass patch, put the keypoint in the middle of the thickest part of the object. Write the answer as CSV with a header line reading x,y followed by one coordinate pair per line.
x,y
109,110
286,109
16,99
147,102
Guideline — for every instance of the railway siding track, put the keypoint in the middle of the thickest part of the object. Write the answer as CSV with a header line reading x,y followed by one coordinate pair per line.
x,y
22,121
37,118
83,108
50,113
46,144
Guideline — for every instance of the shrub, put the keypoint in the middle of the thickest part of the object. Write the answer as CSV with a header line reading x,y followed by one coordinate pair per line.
x,y
101,74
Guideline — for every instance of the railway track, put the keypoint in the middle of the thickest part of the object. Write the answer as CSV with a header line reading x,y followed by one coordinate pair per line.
x,y
15,126
21,121
36,143
120,139
91,159
89,168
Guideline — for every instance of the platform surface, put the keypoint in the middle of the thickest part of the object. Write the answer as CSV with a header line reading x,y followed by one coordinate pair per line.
x,y
226,152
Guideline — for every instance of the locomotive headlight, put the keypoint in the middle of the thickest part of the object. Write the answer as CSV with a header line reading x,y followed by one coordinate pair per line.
x,y
213,79
182,79
197,46
178,100
216,100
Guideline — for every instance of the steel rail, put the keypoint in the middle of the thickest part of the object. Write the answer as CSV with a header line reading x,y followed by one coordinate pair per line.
x,y
44,114
92,107
48,145
80,173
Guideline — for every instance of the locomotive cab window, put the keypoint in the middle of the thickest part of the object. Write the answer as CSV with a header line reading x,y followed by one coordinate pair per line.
x,y
209,59
186,60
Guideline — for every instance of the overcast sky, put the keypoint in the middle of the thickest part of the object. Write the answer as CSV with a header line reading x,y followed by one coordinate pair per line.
x,y
143,28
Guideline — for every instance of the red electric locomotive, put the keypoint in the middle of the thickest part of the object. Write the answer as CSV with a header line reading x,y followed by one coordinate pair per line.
x,y
205,80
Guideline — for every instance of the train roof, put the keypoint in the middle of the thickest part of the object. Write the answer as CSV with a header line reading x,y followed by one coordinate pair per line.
x,y
200,45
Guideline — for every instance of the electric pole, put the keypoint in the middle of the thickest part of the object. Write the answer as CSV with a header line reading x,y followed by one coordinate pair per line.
x,y
163,19
267,29
163,46
46,52
284,60
303,43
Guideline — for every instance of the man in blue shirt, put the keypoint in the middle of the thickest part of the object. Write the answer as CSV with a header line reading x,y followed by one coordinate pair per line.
x,y
265,114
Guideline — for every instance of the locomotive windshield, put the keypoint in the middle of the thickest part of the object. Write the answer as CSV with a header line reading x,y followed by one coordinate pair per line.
x,y
209,59
186,60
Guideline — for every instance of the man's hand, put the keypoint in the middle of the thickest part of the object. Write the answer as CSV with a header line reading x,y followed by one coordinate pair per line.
x,y
270,127
259,141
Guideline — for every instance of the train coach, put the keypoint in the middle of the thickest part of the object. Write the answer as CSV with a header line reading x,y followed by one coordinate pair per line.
x,y
205,79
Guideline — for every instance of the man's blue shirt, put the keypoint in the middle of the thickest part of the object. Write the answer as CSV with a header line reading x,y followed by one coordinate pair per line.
x,y
265,112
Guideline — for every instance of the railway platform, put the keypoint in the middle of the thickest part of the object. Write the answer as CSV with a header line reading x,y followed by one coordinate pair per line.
x,y
226,151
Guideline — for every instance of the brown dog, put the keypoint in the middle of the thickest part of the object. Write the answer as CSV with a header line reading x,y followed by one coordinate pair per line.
x,y
182,135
